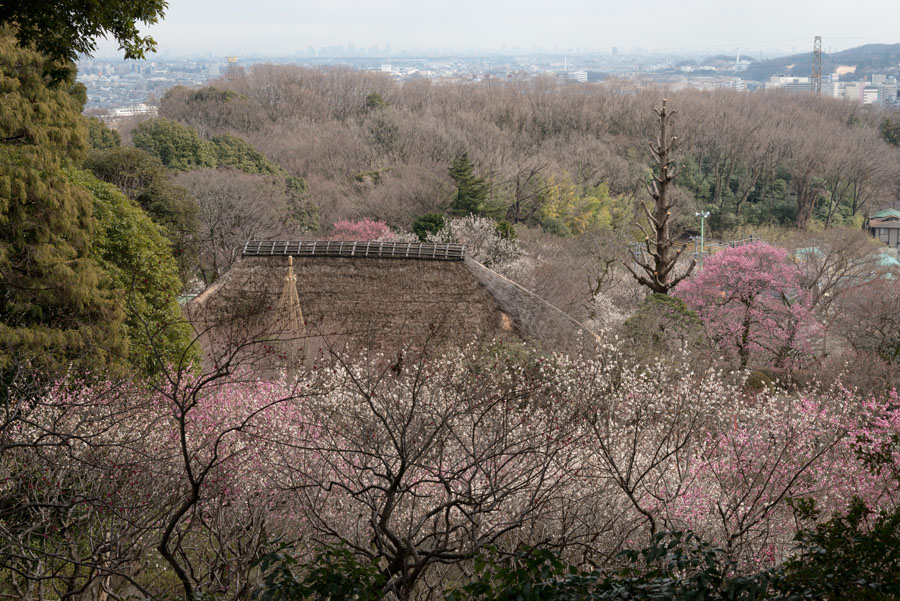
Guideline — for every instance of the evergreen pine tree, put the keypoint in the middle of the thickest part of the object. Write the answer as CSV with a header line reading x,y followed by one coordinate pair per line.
x,y
471,189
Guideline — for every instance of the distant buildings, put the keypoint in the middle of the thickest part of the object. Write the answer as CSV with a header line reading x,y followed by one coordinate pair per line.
x,y
882,89
134,111
789,83
116,84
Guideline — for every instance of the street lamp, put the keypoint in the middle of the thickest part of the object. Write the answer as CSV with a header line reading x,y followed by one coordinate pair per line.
x,y
703,215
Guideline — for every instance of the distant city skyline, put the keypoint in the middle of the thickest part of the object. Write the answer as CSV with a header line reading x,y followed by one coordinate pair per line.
x,y
283,27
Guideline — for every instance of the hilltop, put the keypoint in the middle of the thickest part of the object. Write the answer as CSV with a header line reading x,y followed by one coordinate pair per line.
x,y
867,59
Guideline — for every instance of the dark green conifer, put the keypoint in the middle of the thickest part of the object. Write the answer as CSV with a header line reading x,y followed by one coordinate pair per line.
x,y
471,190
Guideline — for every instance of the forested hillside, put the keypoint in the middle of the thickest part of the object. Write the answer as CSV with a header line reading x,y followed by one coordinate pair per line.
x,y
867,59
560,170
566,158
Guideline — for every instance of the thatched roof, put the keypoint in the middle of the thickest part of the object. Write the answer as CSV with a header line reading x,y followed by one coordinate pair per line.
x,y
371,296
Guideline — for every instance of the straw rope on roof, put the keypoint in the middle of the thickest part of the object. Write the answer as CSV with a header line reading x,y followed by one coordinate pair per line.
x,y
289,307
356,249
290,300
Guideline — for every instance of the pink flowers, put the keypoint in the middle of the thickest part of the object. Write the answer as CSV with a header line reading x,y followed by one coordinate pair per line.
x,y
363,230
458,450
753,306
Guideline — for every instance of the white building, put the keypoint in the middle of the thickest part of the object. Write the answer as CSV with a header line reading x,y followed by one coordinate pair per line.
x,y
789,83
870,95
133,111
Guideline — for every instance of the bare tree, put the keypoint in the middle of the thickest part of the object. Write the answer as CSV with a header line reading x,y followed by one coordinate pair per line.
x,y
414,462
234,207
527,189
70,521
659,270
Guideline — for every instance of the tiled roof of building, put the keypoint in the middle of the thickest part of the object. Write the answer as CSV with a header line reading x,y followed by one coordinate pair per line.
x,y
887,215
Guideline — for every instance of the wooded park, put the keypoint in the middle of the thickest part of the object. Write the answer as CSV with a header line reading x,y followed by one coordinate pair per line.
x,y
315,334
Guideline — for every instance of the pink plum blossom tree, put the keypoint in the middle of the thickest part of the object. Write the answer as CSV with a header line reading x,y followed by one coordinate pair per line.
x,y
362,230
753,306
415,464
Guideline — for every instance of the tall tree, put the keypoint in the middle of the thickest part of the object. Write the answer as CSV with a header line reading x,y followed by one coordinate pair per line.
x,y
57,306
659,269
137,258
471,191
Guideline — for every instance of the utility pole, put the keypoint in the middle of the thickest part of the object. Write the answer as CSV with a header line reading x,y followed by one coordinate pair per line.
x,y
817,66
703,215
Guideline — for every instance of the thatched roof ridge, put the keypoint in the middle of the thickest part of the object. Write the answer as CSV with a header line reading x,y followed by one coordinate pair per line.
x,y
368,249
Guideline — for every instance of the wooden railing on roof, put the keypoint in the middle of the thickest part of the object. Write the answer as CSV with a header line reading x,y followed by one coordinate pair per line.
x,y
349,248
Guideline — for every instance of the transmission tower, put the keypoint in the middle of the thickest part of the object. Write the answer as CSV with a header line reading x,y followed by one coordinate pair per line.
x,y
817,66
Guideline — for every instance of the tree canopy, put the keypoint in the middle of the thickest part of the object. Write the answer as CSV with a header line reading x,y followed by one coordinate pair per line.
x,y
63,29
144,179
890,130
89,281
751,301
58,306
101,137
179,147
135,254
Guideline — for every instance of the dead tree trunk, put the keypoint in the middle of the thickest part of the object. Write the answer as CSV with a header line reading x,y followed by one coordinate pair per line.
x,y
659,257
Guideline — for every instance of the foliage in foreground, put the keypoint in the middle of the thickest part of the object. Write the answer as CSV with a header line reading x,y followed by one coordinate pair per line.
x,y
62,31
334,574
57,308
135,254
839,560
417,466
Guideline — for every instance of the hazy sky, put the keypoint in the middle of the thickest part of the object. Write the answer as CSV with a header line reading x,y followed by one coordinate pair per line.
x,y
285,26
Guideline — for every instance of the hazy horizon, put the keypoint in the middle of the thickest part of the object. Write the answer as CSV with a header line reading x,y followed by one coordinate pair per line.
x,y
273,27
